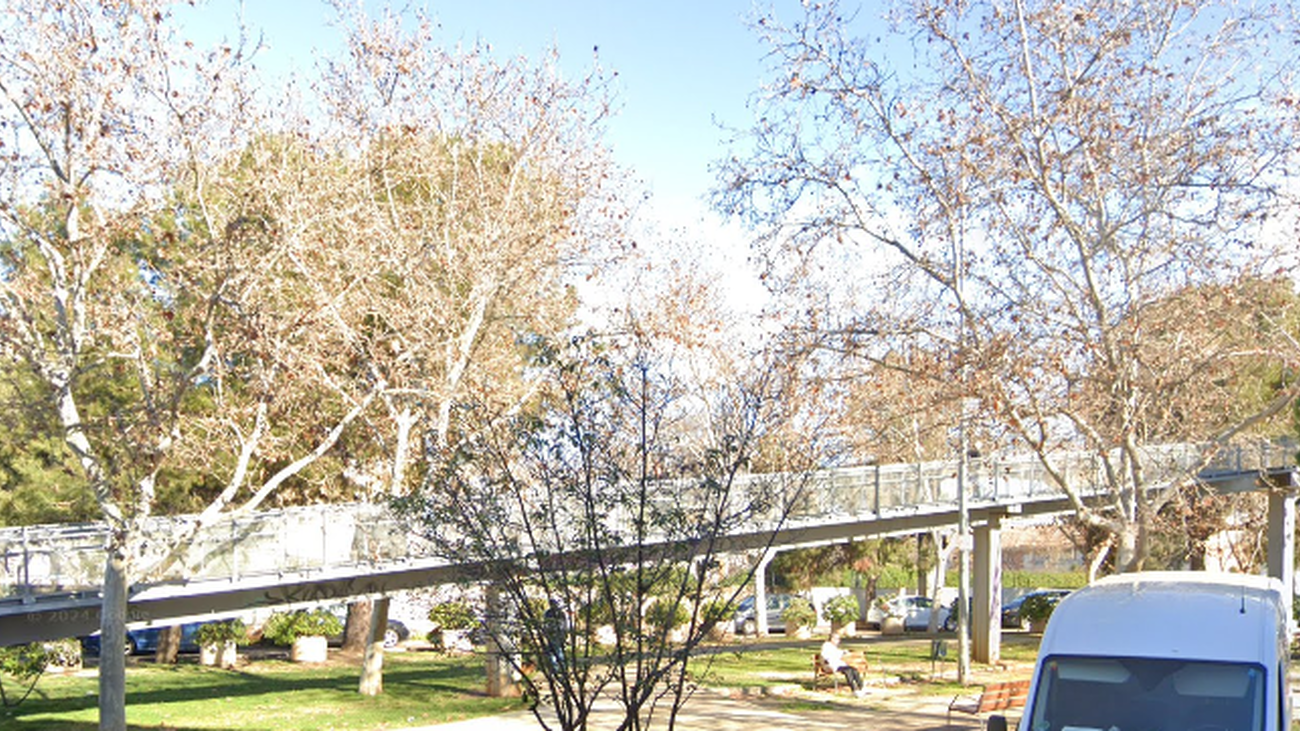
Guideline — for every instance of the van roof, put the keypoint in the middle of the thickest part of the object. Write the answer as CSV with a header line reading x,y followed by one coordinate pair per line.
x,y
1192,580
1187,614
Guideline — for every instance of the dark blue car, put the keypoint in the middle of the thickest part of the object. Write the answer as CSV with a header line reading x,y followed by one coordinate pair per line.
x,y
145,640
1011,618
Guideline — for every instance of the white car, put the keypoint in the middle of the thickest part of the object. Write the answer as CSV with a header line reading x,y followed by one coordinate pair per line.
x,y
915,611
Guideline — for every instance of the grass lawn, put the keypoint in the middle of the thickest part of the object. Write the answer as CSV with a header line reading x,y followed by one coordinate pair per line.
x,y
419,688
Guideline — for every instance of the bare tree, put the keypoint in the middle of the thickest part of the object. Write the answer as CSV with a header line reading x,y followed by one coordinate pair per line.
x,y
598,515
476,193
1022,186
183,274
481,193
102,115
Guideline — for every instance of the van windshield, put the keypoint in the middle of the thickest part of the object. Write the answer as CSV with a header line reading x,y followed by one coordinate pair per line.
x,y
1145,694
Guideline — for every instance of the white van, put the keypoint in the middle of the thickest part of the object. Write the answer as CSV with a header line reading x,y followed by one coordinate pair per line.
x,y
1176,651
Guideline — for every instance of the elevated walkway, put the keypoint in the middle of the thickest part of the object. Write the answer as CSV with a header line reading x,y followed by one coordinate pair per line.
x,y
50,575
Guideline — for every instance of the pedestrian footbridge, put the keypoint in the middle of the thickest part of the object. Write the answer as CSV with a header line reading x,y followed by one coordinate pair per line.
x,y
50,575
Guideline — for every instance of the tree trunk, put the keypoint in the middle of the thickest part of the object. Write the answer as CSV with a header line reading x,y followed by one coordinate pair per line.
x,y
372,670
1128,557
940,575
1094,565
356,632
922,566
169,645
112,638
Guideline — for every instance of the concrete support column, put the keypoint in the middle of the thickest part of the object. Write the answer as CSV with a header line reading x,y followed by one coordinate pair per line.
x,y
760,592
986,612
1281,541
500,670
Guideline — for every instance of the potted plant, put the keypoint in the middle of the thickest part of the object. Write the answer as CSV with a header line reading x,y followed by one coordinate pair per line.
x,y
305,632
219,641
1037,609
892,616
62,656
452,622
842,613
799,618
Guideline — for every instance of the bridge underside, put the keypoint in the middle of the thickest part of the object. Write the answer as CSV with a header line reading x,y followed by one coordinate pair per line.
x,y
54,616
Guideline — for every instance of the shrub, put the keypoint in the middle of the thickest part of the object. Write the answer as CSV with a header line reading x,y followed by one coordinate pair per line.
x,y
219,633
666,615
888,608
1039,607
716,611
799,614
285,627
27,663
1032,579
62,654
452,615
841,610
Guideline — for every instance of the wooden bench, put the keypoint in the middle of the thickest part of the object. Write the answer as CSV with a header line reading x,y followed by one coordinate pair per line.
x,y
994,697
822,671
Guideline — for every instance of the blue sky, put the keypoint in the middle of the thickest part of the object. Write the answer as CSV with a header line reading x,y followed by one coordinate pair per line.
x,y
684,66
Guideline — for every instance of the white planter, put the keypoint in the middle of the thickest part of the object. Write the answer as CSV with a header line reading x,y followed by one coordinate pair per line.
x,y
309,649
845,630
605,635
227,654
223,656
722,632
456,640
891,626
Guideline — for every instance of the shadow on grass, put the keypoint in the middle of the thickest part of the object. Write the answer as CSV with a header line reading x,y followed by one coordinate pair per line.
x,y
405,682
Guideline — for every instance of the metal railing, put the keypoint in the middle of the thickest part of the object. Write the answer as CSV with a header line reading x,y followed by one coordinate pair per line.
x,y
62,559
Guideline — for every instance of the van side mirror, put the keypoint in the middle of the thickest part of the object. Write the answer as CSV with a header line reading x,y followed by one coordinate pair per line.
x,y
996,723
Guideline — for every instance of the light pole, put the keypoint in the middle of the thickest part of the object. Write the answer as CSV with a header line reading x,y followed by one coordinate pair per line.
x,y
963,555
963,512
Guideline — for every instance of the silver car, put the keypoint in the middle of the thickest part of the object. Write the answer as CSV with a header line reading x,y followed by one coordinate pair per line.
x,y
747,622
914,611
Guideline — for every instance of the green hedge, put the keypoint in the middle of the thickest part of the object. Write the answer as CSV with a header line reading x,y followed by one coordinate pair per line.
x,y
1044,579
901,579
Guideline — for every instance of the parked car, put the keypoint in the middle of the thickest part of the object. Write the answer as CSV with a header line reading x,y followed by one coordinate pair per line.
x,y
144,640
914,610
1011,618
747,622
950,618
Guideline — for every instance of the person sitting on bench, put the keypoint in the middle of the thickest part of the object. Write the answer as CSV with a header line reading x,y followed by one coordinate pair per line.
x,y
835,660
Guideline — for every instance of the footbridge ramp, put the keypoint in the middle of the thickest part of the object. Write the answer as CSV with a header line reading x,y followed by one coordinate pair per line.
x,y
50,575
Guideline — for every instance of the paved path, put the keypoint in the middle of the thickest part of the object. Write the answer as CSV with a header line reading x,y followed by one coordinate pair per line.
x,y
713,711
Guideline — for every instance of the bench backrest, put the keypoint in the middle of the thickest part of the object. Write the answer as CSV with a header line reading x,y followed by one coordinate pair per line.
x,y
821,666
1001,696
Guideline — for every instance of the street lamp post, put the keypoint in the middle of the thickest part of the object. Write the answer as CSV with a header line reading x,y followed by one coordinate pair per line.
x,y
963,556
